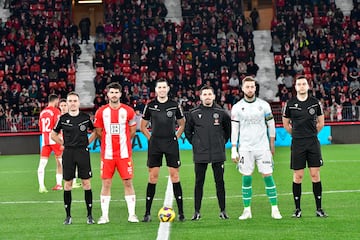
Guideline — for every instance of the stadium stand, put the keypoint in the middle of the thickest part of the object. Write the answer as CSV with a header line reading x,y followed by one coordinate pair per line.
x,y
38,54
212,45
315,39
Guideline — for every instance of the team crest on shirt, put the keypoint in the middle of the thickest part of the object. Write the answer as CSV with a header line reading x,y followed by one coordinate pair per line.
x,y
169,114
311,111
155,106
216,118
122,117
82,128
260,108
67,120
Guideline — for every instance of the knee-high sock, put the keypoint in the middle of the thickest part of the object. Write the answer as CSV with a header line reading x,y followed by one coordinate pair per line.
x,y
178,196
297,194
317,190
41,172
271,190
247,190
67,202
105,203
131,202
88,201
150,193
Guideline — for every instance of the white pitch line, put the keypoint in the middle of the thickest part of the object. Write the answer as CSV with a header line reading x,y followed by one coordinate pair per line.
x,y
188,198
164,227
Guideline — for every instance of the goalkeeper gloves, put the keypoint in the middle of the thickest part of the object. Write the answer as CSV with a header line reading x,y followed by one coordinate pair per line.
x,y
234,154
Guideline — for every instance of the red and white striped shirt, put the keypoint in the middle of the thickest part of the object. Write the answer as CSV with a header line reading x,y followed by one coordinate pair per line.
x,y
115,124
47,121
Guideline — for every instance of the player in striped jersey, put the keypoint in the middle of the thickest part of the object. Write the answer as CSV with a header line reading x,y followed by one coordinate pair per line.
x,y
115,124
47,121
251,120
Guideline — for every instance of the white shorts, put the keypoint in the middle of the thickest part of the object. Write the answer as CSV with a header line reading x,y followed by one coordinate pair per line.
x,y
263,160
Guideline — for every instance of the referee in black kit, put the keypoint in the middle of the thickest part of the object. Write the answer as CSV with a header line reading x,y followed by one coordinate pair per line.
x,y
208,128
303,118
74,126
163,114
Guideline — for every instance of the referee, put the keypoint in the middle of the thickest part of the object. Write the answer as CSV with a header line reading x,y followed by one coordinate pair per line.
x,y
208,128
303,118
74,126
163,114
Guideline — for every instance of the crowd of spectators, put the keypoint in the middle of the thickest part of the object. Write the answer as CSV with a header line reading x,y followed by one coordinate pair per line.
x,y
212,45
38,55
135,46
314,38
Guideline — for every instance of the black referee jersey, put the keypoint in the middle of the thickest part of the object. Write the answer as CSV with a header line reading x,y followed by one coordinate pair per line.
x,y
303,116
74,129
163,117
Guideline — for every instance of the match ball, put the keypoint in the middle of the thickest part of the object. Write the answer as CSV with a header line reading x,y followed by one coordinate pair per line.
x,y
166,214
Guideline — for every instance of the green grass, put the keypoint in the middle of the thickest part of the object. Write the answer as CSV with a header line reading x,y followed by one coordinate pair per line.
x,y
26,214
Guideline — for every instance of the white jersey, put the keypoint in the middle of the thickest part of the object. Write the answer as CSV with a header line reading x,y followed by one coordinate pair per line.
x,y
249,121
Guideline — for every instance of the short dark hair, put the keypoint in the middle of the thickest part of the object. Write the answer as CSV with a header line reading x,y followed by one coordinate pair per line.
x,y
206,87
160,80
301,77
73,93
52,97
62,100
114,85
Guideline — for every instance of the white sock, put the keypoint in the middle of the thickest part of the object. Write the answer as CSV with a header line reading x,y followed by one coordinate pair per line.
x,y
275,207
74,181
41,172
59,178
105,203
130,201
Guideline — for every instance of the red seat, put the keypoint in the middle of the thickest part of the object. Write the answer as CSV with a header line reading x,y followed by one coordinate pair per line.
x,y
322,56
144,69
331,56
307,70
225,86
278,59
126,71
33,7
41,7
224,79
62,84
308,76
161,75
53,85
100,70
188,68
126,62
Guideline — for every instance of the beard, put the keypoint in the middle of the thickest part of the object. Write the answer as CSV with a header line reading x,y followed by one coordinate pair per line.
x,y
114,100
249,96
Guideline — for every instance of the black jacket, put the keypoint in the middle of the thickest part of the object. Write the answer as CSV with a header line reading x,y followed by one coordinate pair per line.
x,y
208,129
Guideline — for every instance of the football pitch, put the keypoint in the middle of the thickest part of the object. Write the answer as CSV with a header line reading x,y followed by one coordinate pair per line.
x,y
27,214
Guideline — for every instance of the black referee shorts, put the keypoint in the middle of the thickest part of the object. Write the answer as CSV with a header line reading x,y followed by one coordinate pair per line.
x,y
76,157
163,146
305,151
